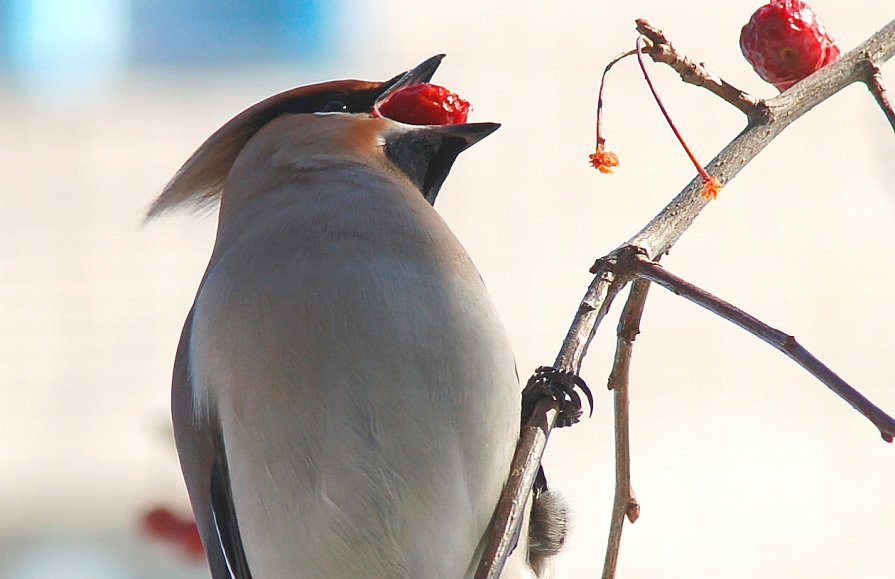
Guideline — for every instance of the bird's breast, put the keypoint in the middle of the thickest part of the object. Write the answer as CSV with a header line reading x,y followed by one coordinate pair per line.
x,y
355,360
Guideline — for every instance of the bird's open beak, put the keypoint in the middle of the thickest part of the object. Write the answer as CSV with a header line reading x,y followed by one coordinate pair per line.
x,y
418,74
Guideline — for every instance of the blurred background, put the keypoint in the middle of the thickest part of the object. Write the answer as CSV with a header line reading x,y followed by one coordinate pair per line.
x,y
744,465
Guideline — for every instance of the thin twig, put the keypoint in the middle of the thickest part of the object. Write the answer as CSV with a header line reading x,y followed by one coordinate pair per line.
x,y
787,344
695,73
601,159
625,504
875,84
613,62
659,235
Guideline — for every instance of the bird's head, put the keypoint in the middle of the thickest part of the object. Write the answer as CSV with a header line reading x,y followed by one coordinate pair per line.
x,y
425,153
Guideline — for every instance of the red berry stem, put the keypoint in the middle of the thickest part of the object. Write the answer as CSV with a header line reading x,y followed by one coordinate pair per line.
x,y
601,159
600,139
712,186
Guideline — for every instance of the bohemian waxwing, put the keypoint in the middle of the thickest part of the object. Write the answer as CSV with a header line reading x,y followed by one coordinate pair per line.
x,y
345,399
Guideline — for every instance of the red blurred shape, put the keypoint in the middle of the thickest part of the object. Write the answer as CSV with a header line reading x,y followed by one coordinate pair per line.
x,y
163,524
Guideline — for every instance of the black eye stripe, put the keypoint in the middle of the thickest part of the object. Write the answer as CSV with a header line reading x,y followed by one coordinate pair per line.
x,y
334,106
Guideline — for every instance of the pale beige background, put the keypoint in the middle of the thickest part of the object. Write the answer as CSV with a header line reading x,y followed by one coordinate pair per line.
x,y
745,466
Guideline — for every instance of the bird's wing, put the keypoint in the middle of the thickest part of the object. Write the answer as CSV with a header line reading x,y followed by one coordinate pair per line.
x,y
200,445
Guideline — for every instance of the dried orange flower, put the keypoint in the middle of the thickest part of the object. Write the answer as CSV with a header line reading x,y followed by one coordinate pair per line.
x,y
710,188
603,161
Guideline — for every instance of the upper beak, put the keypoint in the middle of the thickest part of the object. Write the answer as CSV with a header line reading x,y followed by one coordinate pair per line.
x,y
418,74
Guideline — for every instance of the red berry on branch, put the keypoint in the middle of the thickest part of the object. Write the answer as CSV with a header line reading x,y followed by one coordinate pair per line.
x,y
425,104
785,41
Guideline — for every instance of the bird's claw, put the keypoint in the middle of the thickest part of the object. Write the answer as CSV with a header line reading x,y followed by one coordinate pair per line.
x,y
562,386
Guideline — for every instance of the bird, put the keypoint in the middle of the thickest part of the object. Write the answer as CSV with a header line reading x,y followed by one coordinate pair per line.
x,y
345,398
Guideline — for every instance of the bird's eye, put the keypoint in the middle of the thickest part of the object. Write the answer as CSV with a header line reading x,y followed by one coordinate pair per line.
x,y
334,107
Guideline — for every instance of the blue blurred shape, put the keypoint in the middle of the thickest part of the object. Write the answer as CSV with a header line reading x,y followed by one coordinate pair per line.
x,y
225,32
64,45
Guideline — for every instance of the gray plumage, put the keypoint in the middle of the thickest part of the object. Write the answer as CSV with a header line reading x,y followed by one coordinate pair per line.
x,y
344,397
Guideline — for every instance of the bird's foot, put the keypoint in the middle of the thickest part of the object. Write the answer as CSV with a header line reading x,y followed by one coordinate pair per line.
x,y
561,385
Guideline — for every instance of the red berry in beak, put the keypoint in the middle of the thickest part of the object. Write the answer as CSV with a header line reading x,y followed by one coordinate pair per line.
x,y
785,41
425,104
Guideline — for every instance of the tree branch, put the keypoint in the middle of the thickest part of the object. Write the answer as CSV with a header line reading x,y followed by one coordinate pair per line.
x,y
613,271
787,344
534,433
666,228
875,84
695,73
625,502
524,467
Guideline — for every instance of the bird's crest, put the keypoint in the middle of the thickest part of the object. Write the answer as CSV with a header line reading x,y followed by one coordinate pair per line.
x,y
199,182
